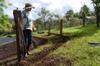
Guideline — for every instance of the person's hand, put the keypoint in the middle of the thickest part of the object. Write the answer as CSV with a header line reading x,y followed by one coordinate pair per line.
x,y
34,29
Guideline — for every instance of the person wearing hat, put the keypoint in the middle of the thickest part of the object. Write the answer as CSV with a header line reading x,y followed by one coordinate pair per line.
x,y
27,25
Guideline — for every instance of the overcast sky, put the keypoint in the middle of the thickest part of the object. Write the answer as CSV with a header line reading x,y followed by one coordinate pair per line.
x,y
57,6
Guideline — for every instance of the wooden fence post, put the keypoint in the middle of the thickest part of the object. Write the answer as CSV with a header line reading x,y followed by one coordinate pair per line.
x,y
49,27
16,19
61,26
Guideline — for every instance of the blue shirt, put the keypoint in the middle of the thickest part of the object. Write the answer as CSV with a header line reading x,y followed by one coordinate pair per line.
x,y
27,20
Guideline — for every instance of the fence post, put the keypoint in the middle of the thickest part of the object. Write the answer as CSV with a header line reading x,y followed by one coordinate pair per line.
x,y
61,26
49,27
16,19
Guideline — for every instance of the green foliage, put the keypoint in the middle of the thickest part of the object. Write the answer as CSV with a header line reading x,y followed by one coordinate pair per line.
x,y
83,13
69,14
47,19
96,1
1,0
5,25
96,4
43,14
76,15
86,10
1,8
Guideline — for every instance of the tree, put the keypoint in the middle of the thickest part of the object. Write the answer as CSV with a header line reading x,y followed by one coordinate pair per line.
x,y
84,12
4,21
1,7
49,24
96,4
44,16
76,15
69,14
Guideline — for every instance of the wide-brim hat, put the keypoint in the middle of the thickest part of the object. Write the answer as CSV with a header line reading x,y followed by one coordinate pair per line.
x,y
28,5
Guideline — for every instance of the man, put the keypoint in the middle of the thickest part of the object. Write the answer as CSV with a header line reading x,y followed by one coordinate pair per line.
x,y
27,25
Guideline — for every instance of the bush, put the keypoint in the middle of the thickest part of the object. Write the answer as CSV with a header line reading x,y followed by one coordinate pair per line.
x,y
5,25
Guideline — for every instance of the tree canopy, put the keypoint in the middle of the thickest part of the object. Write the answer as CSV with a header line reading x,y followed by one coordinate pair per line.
x,y
5,25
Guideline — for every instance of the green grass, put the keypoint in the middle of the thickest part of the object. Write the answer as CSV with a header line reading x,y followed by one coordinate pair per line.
x,y
77,50
82,31
8,35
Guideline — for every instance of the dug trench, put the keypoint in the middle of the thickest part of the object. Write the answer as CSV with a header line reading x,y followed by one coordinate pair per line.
x,y
57,41
43,57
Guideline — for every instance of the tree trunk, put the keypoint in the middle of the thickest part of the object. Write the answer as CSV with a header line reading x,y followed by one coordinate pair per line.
x,y
97,20
97,9
83,18
83,21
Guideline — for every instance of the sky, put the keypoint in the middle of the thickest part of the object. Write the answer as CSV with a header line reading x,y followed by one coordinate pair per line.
x,y
56,6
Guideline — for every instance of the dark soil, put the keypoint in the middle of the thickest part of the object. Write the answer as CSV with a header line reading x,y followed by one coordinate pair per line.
x,y
42,56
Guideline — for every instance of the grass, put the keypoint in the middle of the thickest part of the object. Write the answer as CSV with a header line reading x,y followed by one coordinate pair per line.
x,y
77,50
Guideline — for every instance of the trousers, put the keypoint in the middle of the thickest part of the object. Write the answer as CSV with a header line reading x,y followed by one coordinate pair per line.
x,y
27,38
